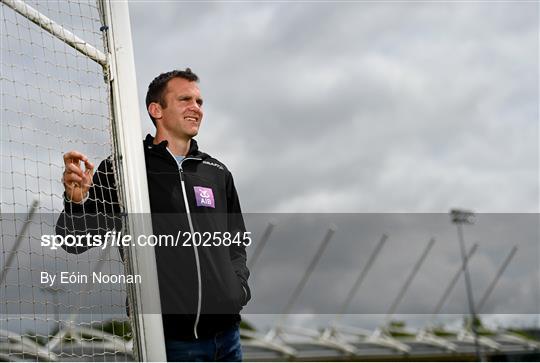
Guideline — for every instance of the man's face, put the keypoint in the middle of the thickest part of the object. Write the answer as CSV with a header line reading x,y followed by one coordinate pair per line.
x,y
183,114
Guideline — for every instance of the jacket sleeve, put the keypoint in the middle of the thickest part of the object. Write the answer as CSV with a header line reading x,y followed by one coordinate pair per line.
x,y
97,215
236,225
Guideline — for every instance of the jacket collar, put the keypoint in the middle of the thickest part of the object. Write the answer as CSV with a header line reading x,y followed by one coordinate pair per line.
x,y
193,147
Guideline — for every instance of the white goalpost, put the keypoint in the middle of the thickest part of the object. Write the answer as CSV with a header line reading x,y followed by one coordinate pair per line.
x,y
68,83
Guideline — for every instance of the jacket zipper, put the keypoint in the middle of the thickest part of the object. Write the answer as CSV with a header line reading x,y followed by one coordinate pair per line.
x,y
190,222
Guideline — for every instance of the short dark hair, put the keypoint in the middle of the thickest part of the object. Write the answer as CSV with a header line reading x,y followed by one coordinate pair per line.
x,y
157,87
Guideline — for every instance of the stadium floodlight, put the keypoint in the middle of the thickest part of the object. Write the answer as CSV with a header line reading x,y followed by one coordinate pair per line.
x,y
459,218
462,216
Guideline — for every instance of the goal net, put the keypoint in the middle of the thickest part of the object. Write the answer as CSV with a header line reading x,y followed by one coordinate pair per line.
x,y
56,96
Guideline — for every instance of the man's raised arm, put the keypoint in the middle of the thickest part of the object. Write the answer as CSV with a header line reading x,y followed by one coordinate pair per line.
x,y
90,199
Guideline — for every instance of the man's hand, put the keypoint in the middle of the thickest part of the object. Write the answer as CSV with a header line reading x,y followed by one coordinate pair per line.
x,y
76,181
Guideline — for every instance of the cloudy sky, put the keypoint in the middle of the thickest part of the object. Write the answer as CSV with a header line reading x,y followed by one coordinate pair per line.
x,y
359,106
320,107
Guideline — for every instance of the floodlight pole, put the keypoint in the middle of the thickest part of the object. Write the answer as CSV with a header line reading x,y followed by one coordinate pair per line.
x,y
459,218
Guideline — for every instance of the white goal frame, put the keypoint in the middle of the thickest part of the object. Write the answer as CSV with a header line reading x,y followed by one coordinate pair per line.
x,y
127,128
119,70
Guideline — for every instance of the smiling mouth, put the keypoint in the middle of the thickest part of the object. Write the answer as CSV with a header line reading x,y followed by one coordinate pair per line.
x,y
192,119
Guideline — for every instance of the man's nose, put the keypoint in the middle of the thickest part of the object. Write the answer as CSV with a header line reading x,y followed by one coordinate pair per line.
x,y
195,106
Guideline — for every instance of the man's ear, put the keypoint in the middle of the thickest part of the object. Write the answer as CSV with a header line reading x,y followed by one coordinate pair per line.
x,y
155,110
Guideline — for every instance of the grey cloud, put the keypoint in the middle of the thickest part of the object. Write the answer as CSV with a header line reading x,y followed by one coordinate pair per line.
x,y
424,95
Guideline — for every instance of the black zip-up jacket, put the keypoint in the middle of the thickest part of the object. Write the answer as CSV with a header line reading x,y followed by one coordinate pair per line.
x,y
190,309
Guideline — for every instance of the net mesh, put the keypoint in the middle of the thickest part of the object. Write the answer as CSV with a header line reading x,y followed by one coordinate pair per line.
x,y
54,99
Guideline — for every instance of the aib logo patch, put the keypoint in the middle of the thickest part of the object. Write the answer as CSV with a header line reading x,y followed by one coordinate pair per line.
x,y
204,197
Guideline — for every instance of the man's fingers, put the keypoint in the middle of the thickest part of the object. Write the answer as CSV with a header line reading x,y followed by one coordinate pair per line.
x,y
72,183
76,181
74,169
87,178
72,161
88,166
89,172
74,154
74,157
72,178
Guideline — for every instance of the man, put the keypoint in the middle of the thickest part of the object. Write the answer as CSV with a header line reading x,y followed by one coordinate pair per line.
x,y
202,288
